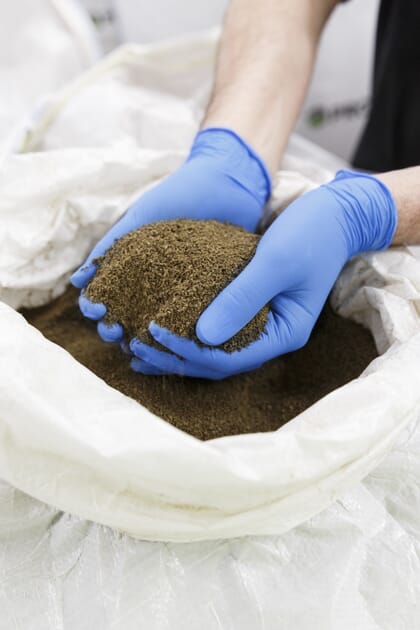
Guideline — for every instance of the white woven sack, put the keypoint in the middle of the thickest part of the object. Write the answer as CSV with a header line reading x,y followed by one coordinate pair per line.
x,y
70,440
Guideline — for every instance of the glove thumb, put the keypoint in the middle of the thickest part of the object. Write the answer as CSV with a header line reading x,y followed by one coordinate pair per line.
x,y
237,304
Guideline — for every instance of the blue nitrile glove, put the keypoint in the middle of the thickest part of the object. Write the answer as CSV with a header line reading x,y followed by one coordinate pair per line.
x,y
294,268
222,179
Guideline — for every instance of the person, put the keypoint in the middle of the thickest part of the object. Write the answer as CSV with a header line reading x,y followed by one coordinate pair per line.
x,y
263,69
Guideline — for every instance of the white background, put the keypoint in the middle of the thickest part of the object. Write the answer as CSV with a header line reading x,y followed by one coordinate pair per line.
x,y
342,74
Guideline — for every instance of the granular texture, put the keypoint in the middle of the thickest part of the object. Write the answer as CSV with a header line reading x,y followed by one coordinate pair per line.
x,y
169,272
262,400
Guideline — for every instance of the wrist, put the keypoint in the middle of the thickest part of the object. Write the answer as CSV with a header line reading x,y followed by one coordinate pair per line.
x,y
369,213
236,158
404,185
265,129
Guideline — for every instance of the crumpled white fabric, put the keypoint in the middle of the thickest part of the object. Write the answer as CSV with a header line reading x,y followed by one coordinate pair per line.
x,y
354,566
43,44
72,441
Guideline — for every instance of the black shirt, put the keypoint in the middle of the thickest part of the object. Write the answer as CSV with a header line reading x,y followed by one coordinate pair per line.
x,y
391,138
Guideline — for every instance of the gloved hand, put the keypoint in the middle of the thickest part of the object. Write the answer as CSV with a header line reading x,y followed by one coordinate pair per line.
x,y
294,268
222,179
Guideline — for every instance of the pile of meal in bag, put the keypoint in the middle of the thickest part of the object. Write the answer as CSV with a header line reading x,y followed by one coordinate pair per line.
x,y
168,272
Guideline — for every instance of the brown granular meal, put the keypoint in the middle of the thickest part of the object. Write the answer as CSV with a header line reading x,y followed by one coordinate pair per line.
x,y
168,272
262,400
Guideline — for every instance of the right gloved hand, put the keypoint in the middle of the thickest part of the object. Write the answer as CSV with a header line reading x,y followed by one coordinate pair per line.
x,y
222,179
294,268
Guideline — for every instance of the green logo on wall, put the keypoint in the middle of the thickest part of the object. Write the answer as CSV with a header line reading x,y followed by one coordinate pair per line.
x,y
320,115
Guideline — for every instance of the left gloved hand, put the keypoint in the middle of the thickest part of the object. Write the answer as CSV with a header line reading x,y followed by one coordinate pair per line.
x,y
294,268
222,179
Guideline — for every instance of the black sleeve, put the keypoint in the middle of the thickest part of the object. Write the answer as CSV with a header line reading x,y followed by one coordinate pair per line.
x,y
391,139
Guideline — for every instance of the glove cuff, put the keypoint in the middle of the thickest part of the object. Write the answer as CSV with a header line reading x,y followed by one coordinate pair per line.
x,y
237,158
369,210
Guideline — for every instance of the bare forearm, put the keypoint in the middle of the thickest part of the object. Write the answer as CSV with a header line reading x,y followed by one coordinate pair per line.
x,y
264,65
405,188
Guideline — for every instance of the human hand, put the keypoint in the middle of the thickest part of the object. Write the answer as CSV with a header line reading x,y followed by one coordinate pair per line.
x,y
222,179
294,268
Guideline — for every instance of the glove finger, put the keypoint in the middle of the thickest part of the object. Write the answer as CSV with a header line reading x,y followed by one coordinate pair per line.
x,y
110,332
92,310
188,370
125,347
217,360
83,275
85,272
293,322
170,364
141,367
288,328
238,303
